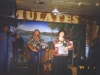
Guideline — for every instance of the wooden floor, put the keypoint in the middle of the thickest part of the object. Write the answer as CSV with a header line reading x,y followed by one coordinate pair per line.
x,y
27,69
31,70
35,71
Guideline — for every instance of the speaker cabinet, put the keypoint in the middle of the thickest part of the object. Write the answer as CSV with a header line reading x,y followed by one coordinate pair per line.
x,y
7,8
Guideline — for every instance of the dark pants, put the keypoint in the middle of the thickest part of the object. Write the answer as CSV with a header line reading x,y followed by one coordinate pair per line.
x,y
18,55
39,54
5,59
59,65
97,64
70,57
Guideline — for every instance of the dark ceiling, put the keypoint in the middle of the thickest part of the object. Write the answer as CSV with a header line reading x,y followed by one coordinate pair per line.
x,y
80,7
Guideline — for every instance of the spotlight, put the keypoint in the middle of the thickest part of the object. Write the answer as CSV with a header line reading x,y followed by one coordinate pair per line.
x,y
79,3
97,4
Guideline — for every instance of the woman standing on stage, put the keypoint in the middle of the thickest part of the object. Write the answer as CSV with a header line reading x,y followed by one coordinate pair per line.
x,y
59,65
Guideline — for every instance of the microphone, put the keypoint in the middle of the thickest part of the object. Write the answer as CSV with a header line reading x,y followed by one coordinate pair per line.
x,y
9,33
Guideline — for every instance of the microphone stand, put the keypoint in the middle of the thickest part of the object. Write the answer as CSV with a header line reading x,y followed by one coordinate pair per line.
x,y
38,48
7,35
39,62
49,60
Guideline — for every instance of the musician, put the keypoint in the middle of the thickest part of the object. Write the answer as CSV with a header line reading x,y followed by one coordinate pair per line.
x,y
36,54
18,46
59,65
5,50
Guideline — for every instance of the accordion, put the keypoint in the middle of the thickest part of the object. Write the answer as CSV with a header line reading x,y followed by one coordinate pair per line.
x,y
42,46
60,51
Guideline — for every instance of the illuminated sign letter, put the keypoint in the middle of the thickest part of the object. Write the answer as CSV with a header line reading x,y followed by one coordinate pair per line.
x,y
20,14
28,15
39,16
67,18
48,17
57,18
75,19
81,67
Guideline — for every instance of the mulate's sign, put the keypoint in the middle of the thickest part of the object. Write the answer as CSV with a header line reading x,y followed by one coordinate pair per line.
x,y
49,17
